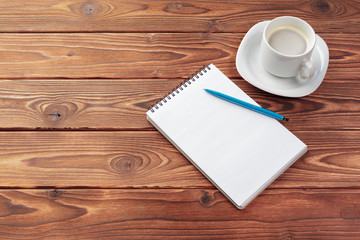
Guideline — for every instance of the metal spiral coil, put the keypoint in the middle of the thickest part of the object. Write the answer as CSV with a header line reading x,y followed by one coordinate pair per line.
x,y
180,87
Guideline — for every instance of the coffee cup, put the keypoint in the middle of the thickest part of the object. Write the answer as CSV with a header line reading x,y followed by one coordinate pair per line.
x,y
286,47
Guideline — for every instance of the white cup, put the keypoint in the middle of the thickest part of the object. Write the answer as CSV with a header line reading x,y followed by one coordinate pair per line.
x,y
286,48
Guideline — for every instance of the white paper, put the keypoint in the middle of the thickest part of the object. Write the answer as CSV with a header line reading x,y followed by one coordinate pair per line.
x,y
240,151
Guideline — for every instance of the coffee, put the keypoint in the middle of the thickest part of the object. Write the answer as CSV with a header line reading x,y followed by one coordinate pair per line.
x,y
288,40
286,48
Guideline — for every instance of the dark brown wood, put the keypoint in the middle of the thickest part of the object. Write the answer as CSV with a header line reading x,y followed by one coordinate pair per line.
x,y
178,214
78,159
167,16
146,159
142,55
118,104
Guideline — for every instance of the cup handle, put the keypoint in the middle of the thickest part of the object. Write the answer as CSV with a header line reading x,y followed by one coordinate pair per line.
x,y
306,71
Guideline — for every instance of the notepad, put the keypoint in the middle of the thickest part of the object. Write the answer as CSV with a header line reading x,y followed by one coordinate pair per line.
x,y
238,150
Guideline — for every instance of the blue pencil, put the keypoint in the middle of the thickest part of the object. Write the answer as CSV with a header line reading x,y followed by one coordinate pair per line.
x,y
247,105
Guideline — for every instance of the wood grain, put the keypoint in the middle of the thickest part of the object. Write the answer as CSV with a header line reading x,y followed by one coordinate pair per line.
x,y
146,159
78,160
178,214
137,55
120,104
166,16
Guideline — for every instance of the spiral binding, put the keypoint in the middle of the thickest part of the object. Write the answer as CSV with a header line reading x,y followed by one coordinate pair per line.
x,y
180,87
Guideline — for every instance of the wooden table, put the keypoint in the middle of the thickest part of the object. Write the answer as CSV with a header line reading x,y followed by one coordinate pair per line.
x,y
79,160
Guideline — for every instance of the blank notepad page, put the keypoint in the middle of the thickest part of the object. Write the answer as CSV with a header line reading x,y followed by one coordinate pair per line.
x,y
240,151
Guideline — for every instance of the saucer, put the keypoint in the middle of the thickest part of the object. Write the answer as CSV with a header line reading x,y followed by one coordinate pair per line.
x,y
250,67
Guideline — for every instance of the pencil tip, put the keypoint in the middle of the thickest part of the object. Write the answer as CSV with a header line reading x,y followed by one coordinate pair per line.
x,y
286,119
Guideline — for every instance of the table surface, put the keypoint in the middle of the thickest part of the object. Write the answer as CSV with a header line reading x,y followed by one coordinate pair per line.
x,y
79,160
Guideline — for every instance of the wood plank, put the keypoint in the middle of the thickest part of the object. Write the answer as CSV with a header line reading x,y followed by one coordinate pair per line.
x,y
165,16
138,55
146,159
181,214
119,104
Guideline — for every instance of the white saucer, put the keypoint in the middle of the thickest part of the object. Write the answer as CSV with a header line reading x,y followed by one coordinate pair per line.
x,y
250,68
